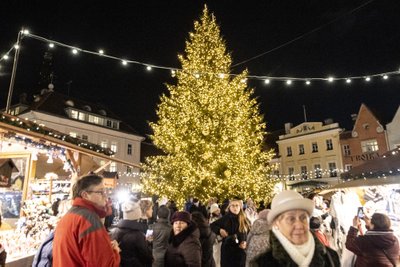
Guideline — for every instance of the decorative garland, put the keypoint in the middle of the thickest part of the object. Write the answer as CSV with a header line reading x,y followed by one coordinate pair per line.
x,y
39,128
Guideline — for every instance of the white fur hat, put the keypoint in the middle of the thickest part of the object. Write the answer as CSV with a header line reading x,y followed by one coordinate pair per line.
x,y
214,207
131,210
289,200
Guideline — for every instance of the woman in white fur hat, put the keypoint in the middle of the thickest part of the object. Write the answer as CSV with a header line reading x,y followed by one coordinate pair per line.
x,y
291,241
129,233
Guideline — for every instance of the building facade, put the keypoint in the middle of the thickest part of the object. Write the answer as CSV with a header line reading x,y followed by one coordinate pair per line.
x,y
366,141
310,151
89,122
393,131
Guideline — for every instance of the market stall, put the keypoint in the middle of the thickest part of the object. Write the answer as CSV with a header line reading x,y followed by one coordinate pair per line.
x,y
37,166
371,187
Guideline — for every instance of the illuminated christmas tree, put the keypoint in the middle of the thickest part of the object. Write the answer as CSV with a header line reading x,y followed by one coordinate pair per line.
x,y
209,127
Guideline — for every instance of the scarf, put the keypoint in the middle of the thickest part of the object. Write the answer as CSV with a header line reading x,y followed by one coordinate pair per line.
x,y
300,254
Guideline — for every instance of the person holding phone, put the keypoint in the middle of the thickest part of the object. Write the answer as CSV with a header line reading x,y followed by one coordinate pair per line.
x,y
378,247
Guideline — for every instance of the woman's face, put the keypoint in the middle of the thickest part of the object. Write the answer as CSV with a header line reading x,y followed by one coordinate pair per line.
x,y
179,226
234,207
294,225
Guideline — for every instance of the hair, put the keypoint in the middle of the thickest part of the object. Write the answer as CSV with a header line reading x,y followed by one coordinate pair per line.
x,y
244,224
145,205
0,220
84,184
199,218
163,212
381,222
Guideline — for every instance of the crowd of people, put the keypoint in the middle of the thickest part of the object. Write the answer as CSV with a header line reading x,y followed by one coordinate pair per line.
x,y
290,231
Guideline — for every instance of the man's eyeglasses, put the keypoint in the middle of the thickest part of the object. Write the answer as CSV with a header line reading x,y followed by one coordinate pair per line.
x,y
101,192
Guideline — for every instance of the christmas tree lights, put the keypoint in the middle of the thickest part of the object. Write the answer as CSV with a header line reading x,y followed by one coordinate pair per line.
x,y
209,127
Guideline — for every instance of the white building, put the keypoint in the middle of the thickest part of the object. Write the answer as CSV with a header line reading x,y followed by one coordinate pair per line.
x,y
89,122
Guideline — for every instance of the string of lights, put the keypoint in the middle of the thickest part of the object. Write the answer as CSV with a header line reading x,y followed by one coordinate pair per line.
x,y
265,78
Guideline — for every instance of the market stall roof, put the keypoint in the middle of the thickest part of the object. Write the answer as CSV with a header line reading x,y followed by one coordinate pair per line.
x,y
387,164
364,182
41,136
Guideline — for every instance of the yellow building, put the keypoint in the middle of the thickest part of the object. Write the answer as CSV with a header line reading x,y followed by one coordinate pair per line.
x,y
310,154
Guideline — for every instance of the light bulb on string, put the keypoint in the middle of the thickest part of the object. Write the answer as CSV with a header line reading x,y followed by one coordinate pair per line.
x,y
385,77
308,82
148,68
5,57
26,32
124,62
101,51
16,46
367,79
51,45
348,80
267,81
74,51
330,79
289,82
221,75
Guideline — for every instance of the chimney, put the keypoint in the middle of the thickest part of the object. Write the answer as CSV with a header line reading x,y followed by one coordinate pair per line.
x,y
23,98
353,117
288,126
328,121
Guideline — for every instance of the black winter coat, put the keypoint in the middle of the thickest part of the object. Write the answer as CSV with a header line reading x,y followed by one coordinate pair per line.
x,y
207,240
231,254
369,248
278,257
135,250
184,249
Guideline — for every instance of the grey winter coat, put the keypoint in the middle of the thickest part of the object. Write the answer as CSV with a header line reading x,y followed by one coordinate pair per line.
x,y
257,242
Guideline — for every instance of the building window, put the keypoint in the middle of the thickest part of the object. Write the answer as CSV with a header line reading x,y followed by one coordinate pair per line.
x,y
129,152
74,114
289,151
332,169
115,125
109,123
85,137
82,116
104,144
346,150
314,147
329,144
301,149
348,167
291,173
318,171
73,134
113,167
303,170
113,147
369,146
129,169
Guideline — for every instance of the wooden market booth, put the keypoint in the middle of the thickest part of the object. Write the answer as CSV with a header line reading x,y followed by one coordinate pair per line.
x,y
41,163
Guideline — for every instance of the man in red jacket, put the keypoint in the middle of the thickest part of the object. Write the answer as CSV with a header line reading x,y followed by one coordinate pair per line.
x,y
80,237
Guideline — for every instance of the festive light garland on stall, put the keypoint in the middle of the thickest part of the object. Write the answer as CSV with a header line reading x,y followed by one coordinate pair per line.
x,y
265,78
40,128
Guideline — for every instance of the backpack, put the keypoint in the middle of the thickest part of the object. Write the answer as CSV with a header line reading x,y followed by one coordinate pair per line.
x,y
44,255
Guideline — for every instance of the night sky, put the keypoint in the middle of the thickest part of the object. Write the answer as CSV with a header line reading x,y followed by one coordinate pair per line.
x,y
339,38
